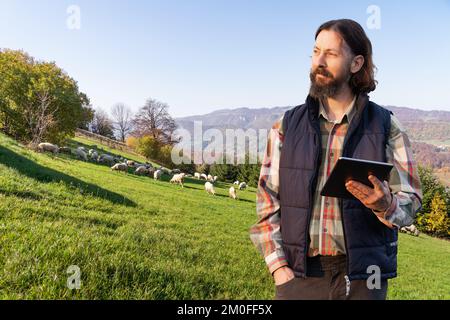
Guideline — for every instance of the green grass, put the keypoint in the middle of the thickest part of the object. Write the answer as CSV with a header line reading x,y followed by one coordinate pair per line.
x,y
135,238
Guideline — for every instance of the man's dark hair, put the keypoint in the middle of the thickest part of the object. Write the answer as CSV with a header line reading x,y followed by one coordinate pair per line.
x,y
353,34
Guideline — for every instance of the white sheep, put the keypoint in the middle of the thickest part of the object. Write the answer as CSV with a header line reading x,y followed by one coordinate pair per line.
x,y
412,229
45,146
209,187
204,176
210,178
232,193
106,158
178,178
215,178
197,175
242,186
157,175
120,167
236,183
93,155
130,163
81,154
142,170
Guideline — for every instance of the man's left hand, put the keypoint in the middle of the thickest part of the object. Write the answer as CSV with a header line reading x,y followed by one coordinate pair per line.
x,y
378,198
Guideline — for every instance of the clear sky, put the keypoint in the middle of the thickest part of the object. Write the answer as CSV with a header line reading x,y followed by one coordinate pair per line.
x,y
203,55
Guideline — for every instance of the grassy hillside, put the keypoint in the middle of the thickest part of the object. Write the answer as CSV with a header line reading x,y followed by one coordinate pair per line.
x,y
135,238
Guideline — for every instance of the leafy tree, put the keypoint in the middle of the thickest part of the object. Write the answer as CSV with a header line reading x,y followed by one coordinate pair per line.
x,y
38,100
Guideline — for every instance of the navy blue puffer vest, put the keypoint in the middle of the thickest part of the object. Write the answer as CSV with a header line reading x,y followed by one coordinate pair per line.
x,y
368,241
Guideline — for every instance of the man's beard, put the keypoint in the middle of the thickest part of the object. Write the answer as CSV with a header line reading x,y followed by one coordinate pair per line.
x,y
320,90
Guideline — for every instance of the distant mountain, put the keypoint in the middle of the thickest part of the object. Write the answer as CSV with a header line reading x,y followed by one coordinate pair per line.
x,y
421,125
429,131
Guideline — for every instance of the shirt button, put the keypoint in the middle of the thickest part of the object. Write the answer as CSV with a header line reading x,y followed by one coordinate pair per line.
x,y
325,230
331,154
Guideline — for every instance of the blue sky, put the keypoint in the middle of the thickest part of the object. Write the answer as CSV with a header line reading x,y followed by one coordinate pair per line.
x,y
199,56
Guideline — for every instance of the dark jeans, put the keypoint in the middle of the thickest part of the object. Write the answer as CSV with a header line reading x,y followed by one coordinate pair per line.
x,y
326,281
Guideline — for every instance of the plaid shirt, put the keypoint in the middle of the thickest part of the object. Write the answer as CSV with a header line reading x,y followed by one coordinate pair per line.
x,y
326,231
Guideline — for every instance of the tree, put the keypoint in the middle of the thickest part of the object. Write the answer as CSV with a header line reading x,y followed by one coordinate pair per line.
x,y
438,220
122,120
38,100
102,124
154,120
39,117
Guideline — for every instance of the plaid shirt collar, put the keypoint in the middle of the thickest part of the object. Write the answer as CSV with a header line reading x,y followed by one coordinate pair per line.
x,y
350,111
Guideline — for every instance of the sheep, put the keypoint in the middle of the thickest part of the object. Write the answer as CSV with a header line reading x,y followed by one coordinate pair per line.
x,y
81,154
204,176
157,175
142,170
130,163
412,229
197,175
45,146
210,178
178,178
65,150
93,155
176,171
106,158
232,193
236,183
209,187
120,167
215,178
242,186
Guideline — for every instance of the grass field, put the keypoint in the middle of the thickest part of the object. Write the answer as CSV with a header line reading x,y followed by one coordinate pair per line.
x,y
135,238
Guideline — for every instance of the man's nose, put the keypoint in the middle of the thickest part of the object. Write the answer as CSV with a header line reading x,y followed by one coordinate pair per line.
x,y
320,61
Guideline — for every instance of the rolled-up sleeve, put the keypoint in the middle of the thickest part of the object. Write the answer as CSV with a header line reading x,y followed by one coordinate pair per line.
x,y
404,180
265,234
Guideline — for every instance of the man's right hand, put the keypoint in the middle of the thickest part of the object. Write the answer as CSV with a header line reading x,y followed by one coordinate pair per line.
x,y
283,275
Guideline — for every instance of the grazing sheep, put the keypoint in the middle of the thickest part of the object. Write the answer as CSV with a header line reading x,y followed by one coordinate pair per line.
x,y
236,183
242,186
209,187
120,167
106,158
210,178
45,146
142,170
81,154
130,163
65,150
93,155
197,175
412,230
178,178
204,176
215,178
151,172
157,175
232,193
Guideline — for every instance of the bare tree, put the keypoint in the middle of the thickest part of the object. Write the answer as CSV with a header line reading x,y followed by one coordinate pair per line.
x,y
154,120
102,124
39,116
122,120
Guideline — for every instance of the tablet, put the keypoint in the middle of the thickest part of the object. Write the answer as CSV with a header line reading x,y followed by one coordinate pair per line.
x,y
353,169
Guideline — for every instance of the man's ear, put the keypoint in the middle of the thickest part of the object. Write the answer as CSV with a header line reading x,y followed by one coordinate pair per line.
x,y
357,63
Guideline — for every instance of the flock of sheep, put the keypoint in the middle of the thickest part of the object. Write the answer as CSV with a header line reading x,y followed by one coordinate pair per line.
x,y
122,165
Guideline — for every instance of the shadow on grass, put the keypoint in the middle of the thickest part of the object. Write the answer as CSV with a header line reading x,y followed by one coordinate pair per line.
x,y
43,174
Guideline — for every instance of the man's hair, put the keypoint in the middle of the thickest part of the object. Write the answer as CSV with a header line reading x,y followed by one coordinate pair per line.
x,y
353,34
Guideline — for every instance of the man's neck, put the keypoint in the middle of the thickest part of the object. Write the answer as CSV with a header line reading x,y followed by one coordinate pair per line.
x,y
337,105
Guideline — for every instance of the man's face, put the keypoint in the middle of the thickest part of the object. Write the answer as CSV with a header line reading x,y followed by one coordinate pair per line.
x,y
331,62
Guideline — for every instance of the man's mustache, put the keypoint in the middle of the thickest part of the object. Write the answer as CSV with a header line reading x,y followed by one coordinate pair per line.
x,y
322,72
